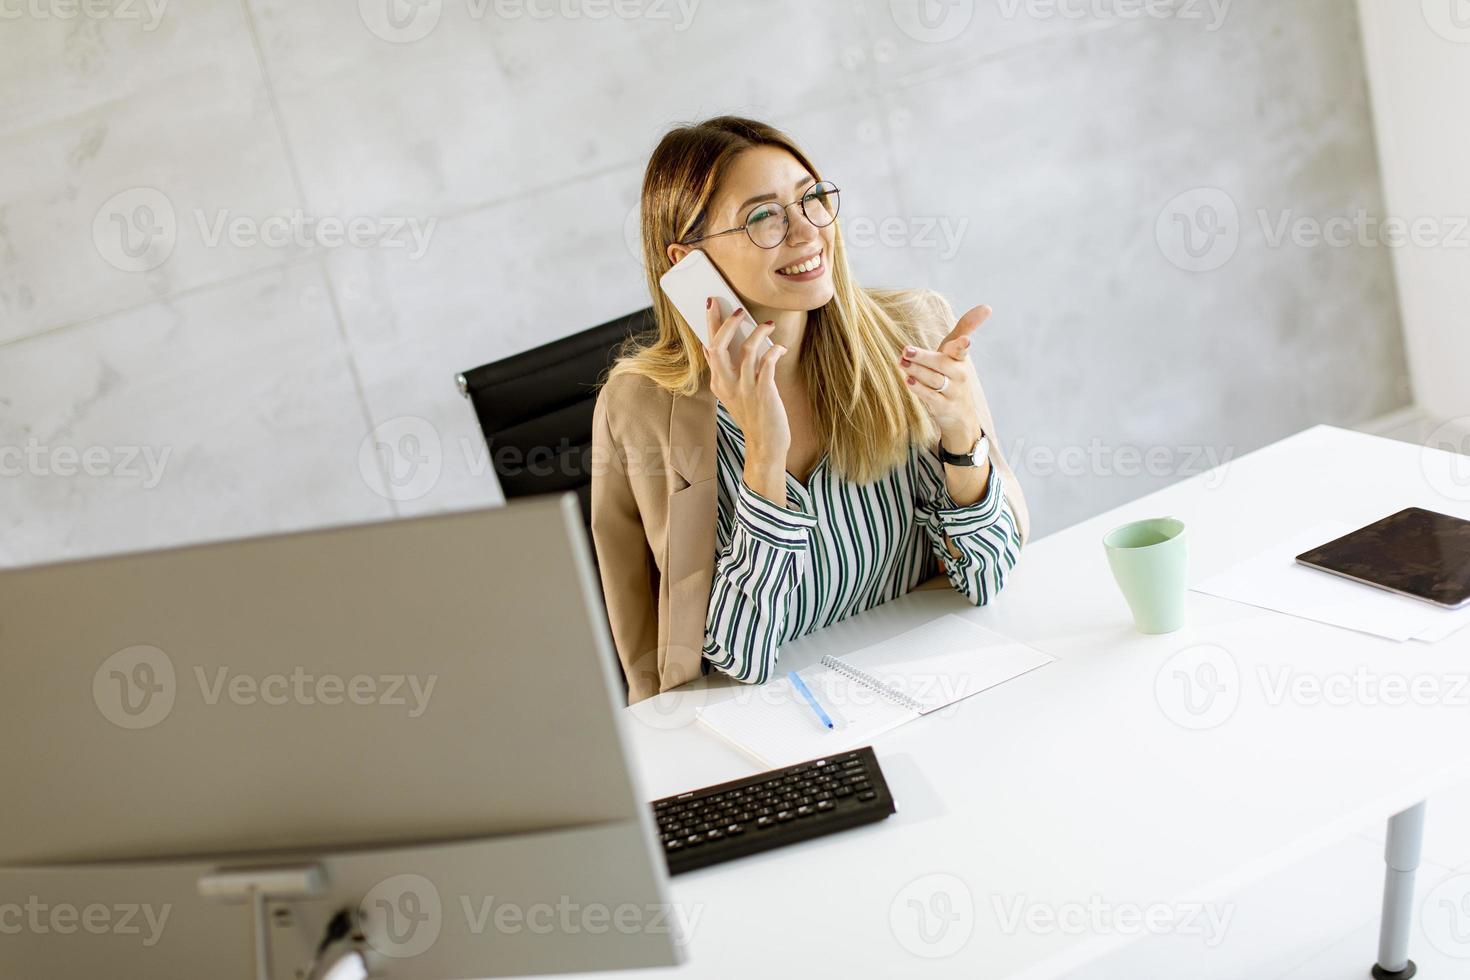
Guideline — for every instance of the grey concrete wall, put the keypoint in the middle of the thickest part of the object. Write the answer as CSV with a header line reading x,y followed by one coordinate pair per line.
x,y
178,363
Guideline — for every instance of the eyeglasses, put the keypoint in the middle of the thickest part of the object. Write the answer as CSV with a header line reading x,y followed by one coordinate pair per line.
x,y
768,223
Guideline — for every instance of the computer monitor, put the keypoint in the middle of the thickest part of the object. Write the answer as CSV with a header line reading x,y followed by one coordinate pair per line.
x,y
389,749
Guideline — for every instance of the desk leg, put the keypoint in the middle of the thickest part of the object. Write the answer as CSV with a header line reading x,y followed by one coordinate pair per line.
x,y
1405,841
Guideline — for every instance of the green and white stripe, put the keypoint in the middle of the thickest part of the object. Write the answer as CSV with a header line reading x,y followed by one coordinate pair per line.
x,y
839,548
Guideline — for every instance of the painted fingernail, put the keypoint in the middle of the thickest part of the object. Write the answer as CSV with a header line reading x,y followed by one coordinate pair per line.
x,y
710,301
911,379
910,351
905,362
738,310
769,323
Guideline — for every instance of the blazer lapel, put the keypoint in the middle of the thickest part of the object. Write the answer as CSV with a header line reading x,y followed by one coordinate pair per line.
x,y
692,436
689,541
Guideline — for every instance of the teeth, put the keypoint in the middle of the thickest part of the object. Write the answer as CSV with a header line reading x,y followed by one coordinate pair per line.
x,y
812,263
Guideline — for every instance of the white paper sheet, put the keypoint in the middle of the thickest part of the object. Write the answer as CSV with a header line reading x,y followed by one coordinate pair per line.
x,y
1274,580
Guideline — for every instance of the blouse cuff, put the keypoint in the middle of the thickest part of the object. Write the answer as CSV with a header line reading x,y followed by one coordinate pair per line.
x,y
785,527
958,520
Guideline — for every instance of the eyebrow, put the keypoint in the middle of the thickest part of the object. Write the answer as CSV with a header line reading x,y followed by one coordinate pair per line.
x,y
770,196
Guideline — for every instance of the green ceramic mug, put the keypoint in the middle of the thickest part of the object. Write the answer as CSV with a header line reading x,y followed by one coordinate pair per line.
x,y
1148,561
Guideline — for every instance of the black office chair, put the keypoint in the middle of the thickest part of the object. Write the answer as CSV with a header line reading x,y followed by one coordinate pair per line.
x,y
535,409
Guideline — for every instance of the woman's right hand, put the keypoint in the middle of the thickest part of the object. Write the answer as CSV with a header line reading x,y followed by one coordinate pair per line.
x,y
745,381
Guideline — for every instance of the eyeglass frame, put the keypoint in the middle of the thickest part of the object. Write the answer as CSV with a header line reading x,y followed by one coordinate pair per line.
x,y
785,213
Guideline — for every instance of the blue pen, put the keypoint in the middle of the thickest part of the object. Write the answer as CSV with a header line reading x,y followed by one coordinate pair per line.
x,y
811,698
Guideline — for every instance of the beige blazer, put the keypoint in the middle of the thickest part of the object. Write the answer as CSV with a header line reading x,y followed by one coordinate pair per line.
x,y
654,508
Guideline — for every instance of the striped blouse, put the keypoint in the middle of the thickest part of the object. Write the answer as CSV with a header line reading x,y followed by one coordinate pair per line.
x,y
839,548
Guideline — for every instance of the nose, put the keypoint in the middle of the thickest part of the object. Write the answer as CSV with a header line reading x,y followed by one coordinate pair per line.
x,y
799,229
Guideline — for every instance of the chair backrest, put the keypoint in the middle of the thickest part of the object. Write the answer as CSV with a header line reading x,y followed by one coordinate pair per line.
x,y
535,409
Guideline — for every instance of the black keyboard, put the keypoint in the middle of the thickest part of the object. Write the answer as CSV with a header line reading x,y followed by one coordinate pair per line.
x,y
780,807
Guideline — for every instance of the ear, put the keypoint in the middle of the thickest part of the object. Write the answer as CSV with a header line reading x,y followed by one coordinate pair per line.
x,y
677,251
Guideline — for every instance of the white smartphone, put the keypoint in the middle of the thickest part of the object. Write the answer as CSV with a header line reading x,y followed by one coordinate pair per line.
x,y
691,283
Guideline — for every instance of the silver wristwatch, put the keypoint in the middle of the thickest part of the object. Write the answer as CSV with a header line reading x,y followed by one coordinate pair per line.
x,y
975,457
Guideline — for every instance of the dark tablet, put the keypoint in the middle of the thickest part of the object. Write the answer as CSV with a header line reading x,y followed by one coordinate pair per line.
x,y
1415,552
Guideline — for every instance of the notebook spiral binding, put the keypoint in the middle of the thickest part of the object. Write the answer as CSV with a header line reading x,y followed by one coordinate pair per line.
x,y
871,682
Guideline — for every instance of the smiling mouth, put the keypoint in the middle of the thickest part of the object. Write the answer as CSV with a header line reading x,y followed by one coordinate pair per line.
x,y
811,264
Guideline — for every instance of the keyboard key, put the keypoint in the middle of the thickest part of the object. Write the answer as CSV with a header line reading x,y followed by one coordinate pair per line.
x,y
867,796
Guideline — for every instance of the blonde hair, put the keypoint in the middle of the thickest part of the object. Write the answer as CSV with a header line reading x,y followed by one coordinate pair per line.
x,y
865,415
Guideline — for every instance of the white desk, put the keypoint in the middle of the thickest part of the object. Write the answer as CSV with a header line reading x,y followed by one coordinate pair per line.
x,y
1074,787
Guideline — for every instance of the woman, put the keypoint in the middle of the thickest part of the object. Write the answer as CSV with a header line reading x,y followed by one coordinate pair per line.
x,y
742,500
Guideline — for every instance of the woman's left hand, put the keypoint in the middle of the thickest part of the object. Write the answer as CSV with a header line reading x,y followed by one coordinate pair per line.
x,y
953,407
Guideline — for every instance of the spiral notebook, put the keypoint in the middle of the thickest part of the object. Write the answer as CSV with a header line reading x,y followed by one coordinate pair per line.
x,y
870,691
